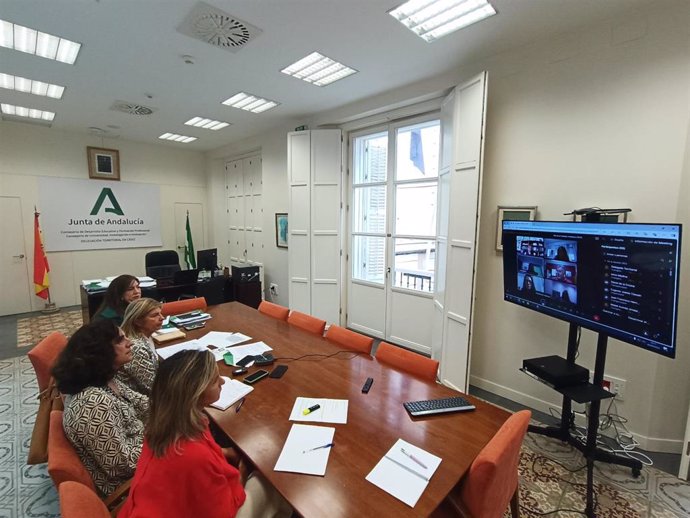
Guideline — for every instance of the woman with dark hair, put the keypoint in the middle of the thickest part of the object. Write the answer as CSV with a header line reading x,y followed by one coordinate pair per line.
x,y
121,291
142,318
182,471
104,418
528,285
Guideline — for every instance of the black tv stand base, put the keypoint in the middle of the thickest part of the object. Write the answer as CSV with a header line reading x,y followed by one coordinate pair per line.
x,y
591,393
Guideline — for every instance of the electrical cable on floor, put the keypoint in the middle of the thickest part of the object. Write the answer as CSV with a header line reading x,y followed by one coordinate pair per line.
x,y
559,479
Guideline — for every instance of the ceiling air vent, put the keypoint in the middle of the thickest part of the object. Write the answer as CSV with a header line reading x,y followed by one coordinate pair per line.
x,y
217,28
131,108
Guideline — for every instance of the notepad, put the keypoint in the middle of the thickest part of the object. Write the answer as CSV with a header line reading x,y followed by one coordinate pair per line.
x,y
329,411
302,453
167,352
230,392
400,475
167,335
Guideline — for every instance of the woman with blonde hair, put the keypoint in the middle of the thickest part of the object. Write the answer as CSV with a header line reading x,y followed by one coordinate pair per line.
x,y
182,471
142,318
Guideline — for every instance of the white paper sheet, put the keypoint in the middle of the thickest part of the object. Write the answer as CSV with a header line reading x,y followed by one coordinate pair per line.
x,y
400,475
296,456
167,352
330,411
230,392
240,351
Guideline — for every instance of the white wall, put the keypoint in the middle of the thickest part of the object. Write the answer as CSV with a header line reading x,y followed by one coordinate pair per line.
x,y
29,152
595,118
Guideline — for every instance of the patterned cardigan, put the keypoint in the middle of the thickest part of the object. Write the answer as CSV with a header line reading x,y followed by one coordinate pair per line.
x,y
141,371
107,430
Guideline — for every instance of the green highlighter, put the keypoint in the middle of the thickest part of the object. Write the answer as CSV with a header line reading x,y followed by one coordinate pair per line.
x,y
228,359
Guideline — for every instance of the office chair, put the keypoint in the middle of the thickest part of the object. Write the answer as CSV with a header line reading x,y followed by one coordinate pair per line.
x,y
492,480
349,339
43,357
407,361
78,501
274,310
307,322
162,264
183,306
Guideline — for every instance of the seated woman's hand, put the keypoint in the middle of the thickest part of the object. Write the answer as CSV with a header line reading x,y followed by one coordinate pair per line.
x,y
232,456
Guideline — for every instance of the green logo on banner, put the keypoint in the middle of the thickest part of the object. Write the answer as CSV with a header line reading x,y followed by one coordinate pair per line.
x,y
107,193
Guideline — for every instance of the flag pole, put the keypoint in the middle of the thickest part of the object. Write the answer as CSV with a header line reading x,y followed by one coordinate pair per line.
x,y
41,268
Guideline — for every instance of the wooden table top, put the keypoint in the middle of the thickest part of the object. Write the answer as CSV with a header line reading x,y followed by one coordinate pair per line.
x,y
375,420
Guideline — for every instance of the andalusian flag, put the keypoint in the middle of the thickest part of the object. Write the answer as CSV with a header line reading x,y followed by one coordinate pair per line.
x,y
41,268
189,256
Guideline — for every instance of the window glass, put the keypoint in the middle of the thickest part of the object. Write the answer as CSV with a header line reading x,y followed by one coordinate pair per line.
x,y
368,258
414,264
415,209
369,209
371,159
417,151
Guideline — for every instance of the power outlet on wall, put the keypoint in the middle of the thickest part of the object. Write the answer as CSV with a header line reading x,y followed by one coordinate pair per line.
x,y
616,386
274,289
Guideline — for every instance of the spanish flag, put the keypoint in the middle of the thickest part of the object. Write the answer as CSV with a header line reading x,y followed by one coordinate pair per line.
x,y
41,268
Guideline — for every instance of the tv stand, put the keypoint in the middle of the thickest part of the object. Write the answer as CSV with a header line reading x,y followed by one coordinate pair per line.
x,y
591,393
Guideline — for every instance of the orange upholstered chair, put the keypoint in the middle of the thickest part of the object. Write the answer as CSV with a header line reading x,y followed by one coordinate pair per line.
x,y
274,310
407,361
78,501
183,306
349,339
492,481
43,357
307,322
63,462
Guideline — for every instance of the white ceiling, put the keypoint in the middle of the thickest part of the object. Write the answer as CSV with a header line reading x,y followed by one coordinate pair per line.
x,y
132,49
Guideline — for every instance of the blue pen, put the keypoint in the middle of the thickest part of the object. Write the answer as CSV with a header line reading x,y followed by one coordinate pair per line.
x,y
237,408
319,447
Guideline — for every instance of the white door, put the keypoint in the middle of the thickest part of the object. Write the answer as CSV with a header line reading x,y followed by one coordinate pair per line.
x,y
196,224
394,171
245,210
14,262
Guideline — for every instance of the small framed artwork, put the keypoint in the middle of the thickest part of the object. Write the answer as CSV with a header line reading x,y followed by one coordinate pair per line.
x,y
512,214
281,230
104,164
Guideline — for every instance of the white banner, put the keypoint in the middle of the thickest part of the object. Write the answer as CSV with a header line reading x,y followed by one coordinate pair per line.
x,y
92,214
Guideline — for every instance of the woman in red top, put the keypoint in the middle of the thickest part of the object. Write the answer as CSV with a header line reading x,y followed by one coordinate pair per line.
x,y
182,472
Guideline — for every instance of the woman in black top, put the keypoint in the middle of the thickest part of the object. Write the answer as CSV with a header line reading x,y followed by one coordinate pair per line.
x,y
122,290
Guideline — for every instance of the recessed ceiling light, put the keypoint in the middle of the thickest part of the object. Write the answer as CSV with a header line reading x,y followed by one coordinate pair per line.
x,y
177,138
31,113
31,41
433,19
200,122
318,70
250,103
31,86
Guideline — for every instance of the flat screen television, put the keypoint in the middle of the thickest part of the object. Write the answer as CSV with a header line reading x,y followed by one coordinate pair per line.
x,y
207,259
619,279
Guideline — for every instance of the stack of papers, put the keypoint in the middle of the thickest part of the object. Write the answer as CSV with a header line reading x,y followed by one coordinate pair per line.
x,y
241,351
306,449
167,352
189,318
404,471
231,392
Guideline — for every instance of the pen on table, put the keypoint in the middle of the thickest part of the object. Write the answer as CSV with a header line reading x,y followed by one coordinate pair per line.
x,y
407,468
319,447
309,410
239,405
415,459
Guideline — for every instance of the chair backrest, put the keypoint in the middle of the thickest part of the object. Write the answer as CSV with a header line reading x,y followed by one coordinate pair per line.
x,y
63,461
78,501
183,306
307,322
492,479
349,339
407,361
162,263
43,357
274,310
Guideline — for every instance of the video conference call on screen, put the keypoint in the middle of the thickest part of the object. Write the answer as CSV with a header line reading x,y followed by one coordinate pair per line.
x,y
620,279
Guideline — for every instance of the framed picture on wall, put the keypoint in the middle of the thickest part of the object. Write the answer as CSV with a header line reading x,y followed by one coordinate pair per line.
x,y
281,230
104,164
512,214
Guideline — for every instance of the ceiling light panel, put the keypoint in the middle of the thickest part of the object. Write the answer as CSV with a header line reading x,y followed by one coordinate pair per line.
x,y
318,70
200,122
177,138
31,41
21,111
250,103
433,19
30,86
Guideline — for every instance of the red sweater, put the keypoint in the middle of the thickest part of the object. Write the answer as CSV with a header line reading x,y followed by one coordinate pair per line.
x,y
194,481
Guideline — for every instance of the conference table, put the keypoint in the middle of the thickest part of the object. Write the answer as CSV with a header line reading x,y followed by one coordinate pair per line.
x,y
318,368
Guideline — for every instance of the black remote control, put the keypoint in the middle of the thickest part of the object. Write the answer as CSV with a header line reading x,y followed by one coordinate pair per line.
x,y
367,385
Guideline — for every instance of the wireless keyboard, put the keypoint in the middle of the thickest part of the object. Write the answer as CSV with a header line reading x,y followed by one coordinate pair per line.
x,y
438,406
